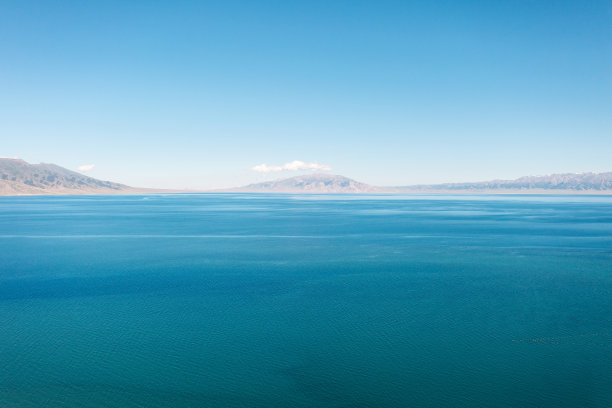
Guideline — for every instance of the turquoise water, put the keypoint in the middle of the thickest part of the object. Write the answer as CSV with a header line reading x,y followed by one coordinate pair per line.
x,y
237,300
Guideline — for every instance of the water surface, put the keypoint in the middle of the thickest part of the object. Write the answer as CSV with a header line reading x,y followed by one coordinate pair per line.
x,y
235,300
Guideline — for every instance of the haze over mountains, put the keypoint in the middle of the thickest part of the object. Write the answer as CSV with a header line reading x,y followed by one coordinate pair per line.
x,y
18,177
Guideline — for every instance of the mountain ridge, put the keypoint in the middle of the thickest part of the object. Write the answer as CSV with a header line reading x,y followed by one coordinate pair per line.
x,y
572,182
562,183
17,177
318,183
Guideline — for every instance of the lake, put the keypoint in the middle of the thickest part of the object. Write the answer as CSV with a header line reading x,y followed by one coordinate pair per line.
x,y
256,300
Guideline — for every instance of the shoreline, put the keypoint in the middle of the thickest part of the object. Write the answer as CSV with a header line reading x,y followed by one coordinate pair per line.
x,y
389,193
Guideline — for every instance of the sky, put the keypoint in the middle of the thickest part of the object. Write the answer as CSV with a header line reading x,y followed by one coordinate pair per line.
x,y
196,94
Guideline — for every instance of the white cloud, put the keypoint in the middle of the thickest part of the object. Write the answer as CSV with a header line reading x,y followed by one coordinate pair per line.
x,y
295,165
86,167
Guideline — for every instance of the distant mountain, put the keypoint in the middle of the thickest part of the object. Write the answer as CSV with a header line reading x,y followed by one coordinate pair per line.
x,y
568,182
18,177
326,183
310,183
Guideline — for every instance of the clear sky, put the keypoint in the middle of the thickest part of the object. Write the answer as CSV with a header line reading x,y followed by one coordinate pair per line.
x,y
195,94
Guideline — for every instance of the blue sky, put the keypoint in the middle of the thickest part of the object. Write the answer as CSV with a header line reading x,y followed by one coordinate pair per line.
x,y
195,94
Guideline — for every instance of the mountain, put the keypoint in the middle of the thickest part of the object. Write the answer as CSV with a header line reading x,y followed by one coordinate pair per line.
x,y
18,177
310,183
568,182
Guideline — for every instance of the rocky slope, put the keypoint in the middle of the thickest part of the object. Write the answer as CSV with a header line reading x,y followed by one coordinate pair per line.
x,y
568,182
310,183
18,177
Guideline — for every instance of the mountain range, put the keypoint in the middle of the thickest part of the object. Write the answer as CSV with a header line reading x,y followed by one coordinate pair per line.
x,y
18,177
589,183
310,183
566,182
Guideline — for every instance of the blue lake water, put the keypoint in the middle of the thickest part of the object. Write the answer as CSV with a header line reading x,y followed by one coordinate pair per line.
x,y
238,300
